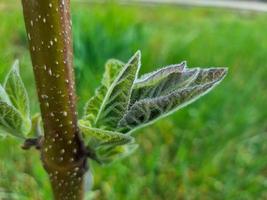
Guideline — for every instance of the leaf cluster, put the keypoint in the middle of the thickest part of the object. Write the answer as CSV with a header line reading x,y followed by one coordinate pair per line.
x,y
123,102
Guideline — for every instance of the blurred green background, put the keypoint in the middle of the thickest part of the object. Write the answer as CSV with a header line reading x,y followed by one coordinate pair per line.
x,y
213,149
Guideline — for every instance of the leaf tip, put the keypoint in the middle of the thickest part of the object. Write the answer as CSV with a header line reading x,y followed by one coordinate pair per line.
x,y
221,73
136,57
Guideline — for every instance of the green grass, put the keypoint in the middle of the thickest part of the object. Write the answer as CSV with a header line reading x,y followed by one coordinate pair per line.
x,y
213,149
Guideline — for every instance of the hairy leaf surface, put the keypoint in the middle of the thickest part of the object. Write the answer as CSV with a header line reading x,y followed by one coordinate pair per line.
x,y
109,154
154,77
93,106
116,100
104,137
148,110
10,119
164,85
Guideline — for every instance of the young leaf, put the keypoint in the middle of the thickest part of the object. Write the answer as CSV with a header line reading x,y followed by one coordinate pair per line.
x,y
92,107
163,85
104,137
153,77
146,111
116,100
108,154
10,119
18,95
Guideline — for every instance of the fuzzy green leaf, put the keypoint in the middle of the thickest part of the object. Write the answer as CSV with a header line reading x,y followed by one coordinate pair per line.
x,y
112,69
103,137
108,154
148,110
18,95
167,80
92,107
153,77
10,120
116,100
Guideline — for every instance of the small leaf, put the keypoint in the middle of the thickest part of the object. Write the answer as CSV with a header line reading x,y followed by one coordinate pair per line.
x,y
103,137
18,95
108,154
146,111
10,119
92,107
116,100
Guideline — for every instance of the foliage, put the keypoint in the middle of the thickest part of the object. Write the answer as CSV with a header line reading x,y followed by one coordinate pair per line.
x,y
124,102
202,152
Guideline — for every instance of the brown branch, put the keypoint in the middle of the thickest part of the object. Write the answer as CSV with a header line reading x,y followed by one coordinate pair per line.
x,y
48,28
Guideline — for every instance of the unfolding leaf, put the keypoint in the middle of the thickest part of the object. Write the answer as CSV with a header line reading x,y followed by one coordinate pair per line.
x,y
18,95
116,100
108,154
147,111
10,120
103,137
153,77
163,85
92,107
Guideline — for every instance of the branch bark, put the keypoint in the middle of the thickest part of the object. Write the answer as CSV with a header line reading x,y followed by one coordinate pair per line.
x,y
63,154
